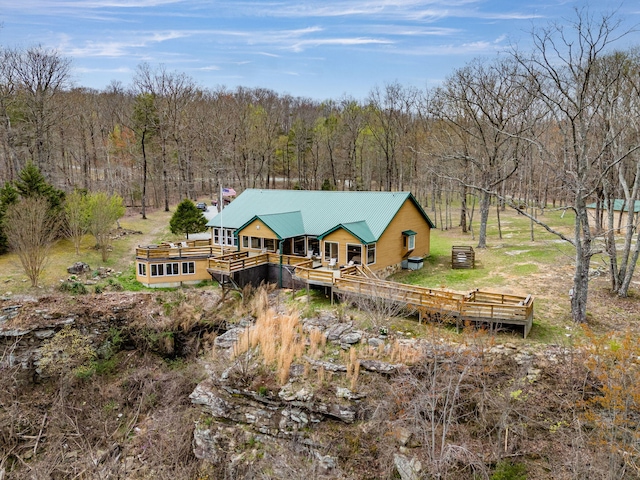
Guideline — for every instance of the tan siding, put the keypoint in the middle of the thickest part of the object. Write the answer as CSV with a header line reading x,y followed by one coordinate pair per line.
x,y
342,237
251,230
390,249
200,274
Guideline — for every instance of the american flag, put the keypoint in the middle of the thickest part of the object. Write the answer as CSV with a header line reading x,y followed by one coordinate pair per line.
x,y
228,192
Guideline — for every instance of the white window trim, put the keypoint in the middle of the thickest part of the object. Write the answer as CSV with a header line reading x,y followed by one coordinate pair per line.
x,y
157,267
142,269
324,251
359,245
375,253
187,265
168,269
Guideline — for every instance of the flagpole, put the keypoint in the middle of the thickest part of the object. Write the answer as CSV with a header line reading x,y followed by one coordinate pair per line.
x,y
221,237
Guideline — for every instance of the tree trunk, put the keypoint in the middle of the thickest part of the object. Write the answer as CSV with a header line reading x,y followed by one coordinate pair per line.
x,y
485,203
463,209
144,178
580,283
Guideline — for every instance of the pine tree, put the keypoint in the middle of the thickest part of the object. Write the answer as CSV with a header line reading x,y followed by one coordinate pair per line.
x,y
31,183
8,196
187,219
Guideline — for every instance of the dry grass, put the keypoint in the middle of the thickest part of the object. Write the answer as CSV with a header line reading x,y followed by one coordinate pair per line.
x,y
278,338
317,342
406,353
62,254
353,368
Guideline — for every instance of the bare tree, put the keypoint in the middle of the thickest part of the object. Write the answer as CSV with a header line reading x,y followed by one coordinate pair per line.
x,y
40,75
76,217
562,73
104,211
31,229
484,110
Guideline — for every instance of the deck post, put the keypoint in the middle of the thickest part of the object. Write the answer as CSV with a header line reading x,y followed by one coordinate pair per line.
x,y
280,245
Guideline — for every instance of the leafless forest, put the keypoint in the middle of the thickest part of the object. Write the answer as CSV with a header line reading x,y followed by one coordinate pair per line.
x,y
555,126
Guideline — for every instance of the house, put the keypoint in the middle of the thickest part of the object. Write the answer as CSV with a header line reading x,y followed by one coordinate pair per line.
x,y
329,228
597,211
377,229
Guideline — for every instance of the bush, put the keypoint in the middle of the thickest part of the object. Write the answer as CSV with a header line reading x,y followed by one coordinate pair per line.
x,y
506,470
73,286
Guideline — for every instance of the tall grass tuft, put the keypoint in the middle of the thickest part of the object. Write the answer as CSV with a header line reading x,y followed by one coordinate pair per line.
x,y
278,338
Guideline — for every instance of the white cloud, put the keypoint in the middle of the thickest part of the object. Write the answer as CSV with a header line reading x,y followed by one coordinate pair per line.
x,y
299,46
112,48
102,70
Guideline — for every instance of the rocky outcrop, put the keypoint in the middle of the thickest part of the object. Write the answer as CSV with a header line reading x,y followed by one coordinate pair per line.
x,y
79,268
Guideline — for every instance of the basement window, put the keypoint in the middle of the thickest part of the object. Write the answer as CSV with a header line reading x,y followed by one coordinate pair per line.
x,y
188,268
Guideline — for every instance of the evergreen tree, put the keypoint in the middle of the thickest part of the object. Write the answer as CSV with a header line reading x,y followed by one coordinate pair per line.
x,y
31,183
187,219
8,196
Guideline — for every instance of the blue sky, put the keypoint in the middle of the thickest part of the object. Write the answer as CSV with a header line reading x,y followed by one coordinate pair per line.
x,y
317,49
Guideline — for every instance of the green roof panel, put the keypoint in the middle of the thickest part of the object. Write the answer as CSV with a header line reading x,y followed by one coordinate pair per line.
x,y
618,203
315,212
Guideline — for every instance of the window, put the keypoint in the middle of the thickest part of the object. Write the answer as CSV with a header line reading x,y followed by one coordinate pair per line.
x,y
354,253
171,268
256,242
142,269
245,241
230,239
313,245
299,244
270,244
371,254
409,239
188,268
330,250
157,269
224,235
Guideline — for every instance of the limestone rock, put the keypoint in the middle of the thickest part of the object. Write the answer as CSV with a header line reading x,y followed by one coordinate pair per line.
x,y
209,444
287,394
228,338
328,366
351,338
378,366
408,469
334,333
78,268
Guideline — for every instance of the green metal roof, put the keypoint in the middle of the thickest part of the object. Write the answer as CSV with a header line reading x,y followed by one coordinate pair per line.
x,y
360,230
364,214
408,233
617,205
284,225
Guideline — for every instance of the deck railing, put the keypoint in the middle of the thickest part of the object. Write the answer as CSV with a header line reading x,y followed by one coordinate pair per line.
x,y
234,262
314,275
152,252
475,306
412,295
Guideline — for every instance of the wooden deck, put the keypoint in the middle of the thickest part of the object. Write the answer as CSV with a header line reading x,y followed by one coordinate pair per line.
x,y
237,261
494,309
190,248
